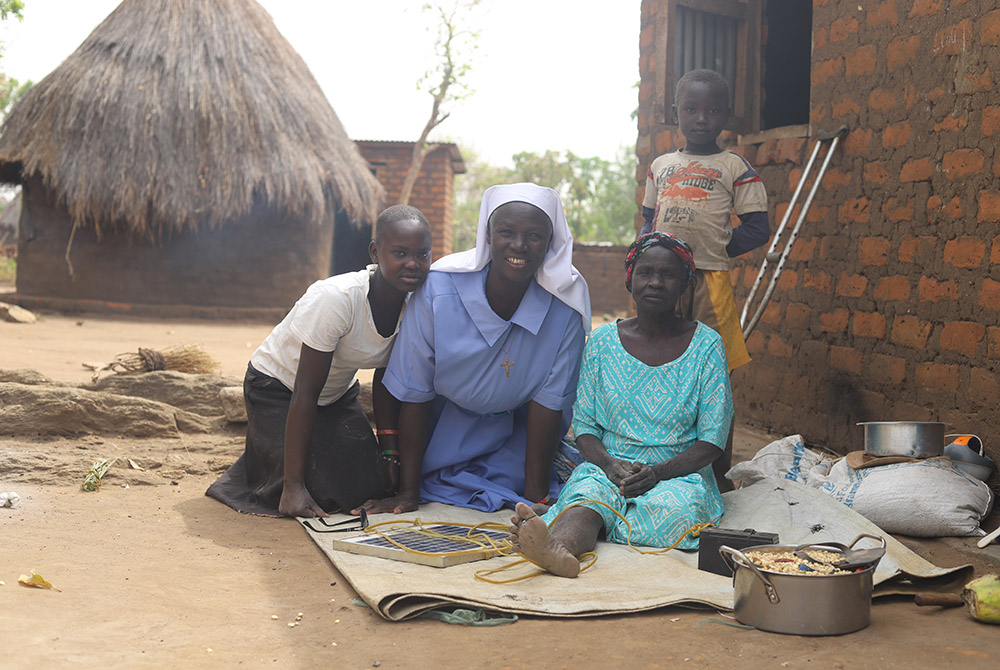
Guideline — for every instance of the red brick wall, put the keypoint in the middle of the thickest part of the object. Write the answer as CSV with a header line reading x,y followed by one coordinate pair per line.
x,y
433,193
889,306
603,266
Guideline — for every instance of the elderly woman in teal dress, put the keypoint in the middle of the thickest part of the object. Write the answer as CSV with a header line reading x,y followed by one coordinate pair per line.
x,y
652,412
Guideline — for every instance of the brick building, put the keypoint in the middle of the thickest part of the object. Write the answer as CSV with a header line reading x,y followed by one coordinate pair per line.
x,y
603,266
889,306
433,193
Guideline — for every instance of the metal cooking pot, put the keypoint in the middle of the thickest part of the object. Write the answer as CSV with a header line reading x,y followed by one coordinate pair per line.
x,y
915,439
799,604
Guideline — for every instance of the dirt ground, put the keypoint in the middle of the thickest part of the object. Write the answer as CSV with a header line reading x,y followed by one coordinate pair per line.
x,y
153,573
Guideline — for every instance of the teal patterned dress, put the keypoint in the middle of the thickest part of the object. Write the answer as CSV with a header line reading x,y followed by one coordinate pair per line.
x,y
651,414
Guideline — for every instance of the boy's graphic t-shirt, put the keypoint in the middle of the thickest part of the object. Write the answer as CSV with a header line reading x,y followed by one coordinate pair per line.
x,y
692,197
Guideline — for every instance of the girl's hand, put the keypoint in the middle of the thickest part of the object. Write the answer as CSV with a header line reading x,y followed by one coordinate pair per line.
x,y
296,501
391,476
397,504
640,479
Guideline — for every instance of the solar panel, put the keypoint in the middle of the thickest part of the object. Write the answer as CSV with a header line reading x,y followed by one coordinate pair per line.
x,y
445,550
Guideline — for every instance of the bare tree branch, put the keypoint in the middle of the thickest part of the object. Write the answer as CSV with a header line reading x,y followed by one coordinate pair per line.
x,y
452,36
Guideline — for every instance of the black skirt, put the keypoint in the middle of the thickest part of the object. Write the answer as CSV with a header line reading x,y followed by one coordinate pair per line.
x,y
343,467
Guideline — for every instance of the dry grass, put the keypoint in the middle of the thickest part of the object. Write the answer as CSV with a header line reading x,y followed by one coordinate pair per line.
x,y
193,111
190,358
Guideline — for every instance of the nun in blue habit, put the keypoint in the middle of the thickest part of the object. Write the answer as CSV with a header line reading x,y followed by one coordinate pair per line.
x,y
487,360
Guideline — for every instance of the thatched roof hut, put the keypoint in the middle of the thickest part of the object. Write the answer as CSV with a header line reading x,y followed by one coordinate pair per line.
x,y
181,118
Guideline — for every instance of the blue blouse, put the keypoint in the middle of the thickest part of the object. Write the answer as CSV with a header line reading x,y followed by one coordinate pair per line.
x,y
481,371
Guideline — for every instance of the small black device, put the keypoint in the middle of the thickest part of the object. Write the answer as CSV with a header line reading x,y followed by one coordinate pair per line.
x,y
710,539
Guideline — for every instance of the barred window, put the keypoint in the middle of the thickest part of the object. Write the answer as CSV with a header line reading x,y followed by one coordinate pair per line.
x,y
762,48
705,40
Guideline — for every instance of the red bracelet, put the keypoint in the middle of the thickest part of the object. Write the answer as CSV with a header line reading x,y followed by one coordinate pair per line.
x,y
387,431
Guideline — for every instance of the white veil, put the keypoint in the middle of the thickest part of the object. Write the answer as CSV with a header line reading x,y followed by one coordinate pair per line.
x,y
556,274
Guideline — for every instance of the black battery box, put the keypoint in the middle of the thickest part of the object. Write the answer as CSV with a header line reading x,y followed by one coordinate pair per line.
x,y
710,539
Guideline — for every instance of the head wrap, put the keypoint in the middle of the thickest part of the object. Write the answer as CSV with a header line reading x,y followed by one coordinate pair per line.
x,y
556,274
657,239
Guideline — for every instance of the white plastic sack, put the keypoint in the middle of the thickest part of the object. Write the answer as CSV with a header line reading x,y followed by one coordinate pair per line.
x,y
928,498
787,458
9,499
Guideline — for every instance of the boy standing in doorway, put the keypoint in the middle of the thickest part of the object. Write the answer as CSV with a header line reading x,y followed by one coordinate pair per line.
x,y
690,193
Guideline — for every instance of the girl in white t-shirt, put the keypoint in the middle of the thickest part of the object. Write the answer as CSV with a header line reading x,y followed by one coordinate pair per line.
x,y
309,447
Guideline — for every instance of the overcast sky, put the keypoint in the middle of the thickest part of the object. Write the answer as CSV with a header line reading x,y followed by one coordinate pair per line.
x,y
548,74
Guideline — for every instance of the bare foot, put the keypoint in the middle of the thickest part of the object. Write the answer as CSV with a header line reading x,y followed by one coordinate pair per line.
x,y
531,537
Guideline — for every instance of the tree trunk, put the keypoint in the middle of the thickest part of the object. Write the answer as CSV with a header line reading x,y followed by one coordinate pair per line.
x,y
421,148
420,151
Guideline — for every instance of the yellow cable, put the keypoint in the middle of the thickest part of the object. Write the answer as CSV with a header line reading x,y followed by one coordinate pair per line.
x,y
484,575
587,560
482,542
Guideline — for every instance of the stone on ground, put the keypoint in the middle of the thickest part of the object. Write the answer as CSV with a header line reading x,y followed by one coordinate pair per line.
x,y
64,410
16,314
233,406
24,376
195,393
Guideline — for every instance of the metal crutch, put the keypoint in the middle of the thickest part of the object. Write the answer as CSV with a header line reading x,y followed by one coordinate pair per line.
x,y
822,137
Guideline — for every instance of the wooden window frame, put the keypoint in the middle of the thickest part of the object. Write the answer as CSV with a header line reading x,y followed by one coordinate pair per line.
x,y
745,92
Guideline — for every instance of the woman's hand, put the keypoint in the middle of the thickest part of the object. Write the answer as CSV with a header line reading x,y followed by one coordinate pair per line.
x,y
616,470
632,479
296,501
543,429
641,478
397,504
541,508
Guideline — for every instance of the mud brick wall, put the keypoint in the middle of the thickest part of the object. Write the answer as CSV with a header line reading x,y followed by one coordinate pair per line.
x,y
262,261
433,192
603,266
889,306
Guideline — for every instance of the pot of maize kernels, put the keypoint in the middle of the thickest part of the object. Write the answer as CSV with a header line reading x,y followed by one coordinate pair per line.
x,y
776,591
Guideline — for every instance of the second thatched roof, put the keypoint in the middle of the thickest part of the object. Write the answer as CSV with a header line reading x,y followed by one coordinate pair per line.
x,y
174,114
